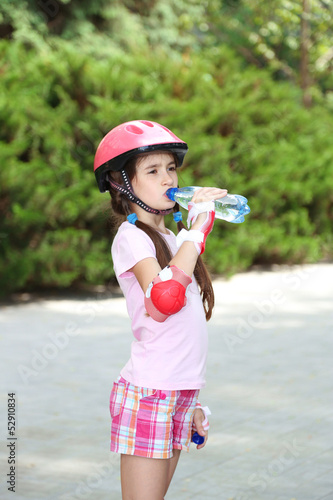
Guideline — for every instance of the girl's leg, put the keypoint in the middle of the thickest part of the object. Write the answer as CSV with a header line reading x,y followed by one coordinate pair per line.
x,y
172,467
146,478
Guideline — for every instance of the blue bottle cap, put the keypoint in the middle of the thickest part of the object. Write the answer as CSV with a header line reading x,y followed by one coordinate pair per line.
x,y
171,193
197,439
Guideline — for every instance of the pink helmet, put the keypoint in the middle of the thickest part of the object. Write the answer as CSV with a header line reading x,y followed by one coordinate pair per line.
x,y
127,140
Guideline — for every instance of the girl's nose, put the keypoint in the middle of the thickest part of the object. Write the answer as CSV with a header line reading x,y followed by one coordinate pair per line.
x,y
167,179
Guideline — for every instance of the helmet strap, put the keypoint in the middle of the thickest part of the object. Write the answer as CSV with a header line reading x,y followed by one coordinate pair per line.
x,y
127,190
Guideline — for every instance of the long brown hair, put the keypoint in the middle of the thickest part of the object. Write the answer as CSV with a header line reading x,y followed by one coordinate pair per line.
x,y
121,208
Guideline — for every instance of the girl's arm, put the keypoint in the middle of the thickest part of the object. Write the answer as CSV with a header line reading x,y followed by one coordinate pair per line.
x,y
186,257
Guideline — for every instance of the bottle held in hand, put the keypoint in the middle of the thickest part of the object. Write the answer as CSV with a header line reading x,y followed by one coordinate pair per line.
x,y
230,208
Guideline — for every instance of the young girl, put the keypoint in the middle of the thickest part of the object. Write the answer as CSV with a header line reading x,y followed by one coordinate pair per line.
x,y
169,295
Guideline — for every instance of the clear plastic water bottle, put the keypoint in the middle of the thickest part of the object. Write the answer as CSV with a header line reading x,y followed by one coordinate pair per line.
x,y
230,208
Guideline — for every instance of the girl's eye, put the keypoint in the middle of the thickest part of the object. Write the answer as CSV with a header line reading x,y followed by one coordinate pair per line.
x,y
172,168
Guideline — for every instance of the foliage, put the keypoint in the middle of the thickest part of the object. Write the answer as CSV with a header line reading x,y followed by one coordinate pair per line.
x,y
104,26
268,34
245,133
68,78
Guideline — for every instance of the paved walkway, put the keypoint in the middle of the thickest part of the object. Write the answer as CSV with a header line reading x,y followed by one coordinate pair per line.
x,y
269,386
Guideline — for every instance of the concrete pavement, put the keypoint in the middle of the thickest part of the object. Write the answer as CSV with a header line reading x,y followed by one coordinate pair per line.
x,y
269,387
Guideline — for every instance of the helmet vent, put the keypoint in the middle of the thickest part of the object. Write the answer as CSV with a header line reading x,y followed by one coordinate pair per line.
x,y
169,132
149,124
134,129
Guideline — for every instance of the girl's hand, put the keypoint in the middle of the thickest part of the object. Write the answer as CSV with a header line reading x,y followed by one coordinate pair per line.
x,y
198,418
208,194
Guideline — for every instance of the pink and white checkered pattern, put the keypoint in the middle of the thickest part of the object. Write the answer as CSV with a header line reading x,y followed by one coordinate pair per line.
x,y
150,423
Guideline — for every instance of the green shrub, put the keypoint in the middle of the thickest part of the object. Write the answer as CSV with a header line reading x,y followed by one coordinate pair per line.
x,y
245,132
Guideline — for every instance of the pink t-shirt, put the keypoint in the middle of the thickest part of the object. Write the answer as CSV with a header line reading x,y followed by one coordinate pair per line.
x,y
169,355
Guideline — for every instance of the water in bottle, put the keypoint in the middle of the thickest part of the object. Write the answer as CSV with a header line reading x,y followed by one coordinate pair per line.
x,y
230,208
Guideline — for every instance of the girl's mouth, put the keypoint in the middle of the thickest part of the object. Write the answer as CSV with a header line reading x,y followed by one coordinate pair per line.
x,y
165,194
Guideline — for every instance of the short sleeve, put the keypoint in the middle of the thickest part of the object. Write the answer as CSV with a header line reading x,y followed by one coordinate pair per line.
x,y
129,246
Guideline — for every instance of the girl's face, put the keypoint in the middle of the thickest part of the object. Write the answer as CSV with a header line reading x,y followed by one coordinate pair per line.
x,y
154,175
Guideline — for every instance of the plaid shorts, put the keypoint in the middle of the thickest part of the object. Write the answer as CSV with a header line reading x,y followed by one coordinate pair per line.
x,y
149,422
